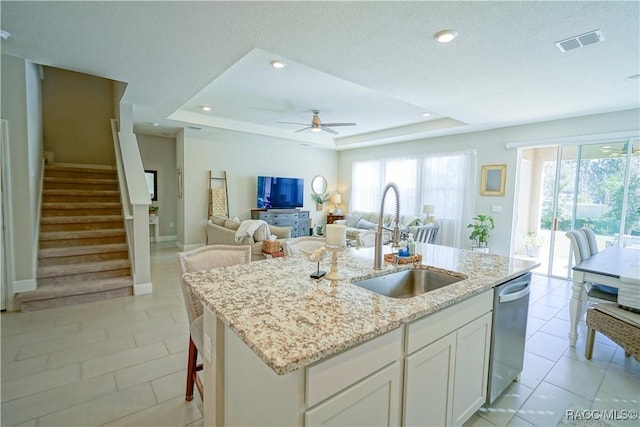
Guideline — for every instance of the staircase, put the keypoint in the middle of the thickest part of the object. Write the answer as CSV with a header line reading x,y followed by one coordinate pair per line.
x,y
83,255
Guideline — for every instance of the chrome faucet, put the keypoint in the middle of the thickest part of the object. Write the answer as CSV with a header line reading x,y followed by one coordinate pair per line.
x,y
377,260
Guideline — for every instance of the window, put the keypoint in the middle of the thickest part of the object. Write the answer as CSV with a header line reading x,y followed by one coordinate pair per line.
x,y
436,179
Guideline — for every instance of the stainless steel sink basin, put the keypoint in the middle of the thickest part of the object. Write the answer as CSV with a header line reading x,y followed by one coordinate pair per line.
x,y
409,283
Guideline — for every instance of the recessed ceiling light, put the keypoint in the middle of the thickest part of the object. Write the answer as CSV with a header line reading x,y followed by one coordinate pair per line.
x,y
206,108
426,114
445,36
155,124
632,78
4,34
278,64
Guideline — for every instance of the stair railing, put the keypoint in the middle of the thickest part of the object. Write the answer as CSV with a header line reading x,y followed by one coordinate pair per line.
x,y
135,200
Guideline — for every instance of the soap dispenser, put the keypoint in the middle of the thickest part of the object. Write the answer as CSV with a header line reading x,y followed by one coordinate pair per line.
x,y
411,245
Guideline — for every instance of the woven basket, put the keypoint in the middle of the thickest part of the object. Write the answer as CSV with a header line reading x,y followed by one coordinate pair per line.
x,y
624,334
403,259
270,247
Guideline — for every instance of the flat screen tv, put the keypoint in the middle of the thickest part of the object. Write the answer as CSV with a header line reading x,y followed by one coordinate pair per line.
x,y
276,192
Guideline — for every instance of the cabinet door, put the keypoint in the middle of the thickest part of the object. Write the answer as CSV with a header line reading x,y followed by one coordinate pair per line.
x,y
472,366
374,401
429,384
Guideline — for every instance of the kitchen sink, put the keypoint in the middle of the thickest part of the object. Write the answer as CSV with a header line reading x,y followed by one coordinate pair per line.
x,y
409,283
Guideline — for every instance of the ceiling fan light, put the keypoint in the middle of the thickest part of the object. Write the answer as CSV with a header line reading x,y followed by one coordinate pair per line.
x,y
316,130
445,36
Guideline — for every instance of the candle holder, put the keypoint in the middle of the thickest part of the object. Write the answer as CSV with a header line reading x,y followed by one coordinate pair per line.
x,y
333,273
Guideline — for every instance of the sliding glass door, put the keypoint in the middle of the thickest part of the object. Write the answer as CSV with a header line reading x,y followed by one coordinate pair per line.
x,y
591,185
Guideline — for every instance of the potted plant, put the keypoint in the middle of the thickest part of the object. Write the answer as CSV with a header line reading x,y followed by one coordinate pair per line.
x,y
153,210
532,243
319,198
480,232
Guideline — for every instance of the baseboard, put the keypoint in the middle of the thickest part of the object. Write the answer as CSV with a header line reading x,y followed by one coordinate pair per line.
x,y
24,285
142,289
163,239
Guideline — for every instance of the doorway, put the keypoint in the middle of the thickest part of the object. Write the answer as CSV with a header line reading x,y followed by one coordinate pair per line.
x,y
565,187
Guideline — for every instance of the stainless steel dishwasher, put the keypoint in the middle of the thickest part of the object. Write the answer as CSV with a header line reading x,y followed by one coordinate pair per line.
x,y
508,335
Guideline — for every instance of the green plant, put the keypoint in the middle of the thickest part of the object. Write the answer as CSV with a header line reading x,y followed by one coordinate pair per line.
x,y
480,229
531,239
153,210
320,198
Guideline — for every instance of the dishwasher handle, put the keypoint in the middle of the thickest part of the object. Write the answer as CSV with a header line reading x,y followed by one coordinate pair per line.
x,y
507,295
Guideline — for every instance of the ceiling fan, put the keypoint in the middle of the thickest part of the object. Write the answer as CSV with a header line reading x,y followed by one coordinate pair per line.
x,y
317,126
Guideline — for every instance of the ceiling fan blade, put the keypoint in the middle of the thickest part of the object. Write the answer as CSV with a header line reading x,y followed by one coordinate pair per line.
x,y
300,130
328,130
294,123
338,124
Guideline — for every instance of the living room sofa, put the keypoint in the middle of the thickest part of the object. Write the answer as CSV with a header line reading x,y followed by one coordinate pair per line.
x,y
222,231
360,222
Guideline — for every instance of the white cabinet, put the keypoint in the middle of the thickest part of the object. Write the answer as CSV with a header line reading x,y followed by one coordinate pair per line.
x,y
429,383
374,401
446,378
473,343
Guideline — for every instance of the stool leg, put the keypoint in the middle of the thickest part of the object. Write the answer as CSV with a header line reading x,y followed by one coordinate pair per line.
x,y
588,351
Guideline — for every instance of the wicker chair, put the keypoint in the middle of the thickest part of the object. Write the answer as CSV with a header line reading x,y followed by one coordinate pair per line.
x,y
294,246
621,326
366,239
204,258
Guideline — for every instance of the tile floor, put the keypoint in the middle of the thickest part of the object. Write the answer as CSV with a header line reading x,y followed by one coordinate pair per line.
x,y
121,362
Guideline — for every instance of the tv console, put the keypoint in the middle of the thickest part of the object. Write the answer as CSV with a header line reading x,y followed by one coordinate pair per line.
x,y
295,218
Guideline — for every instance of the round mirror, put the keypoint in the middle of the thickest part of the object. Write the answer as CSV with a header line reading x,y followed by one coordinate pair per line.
x,y
318,184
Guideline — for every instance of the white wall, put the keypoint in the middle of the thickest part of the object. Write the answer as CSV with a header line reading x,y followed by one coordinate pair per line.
x,y
244,156
21,107
491,149
159,153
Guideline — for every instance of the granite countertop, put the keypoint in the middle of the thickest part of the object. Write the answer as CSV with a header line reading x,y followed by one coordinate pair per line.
x,y
291,320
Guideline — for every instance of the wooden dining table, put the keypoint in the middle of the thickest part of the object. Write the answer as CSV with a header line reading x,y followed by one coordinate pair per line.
x,y
615,267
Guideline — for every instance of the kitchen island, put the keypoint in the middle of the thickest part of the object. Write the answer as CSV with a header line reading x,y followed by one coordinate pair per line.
x,y
282,348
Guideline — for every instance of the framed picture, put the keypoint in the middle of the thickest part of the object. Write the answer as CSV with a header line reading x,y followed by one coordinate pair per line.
x,y
152,184
493,180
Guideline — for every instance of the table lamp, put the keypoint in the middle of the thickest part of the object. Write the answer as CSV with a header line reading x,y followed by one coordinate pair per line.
x,y
337,199
428,211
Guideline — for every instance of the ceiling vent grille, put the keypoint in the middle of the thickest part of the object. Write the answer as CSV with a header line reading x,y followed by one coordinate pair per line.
x,y
582,40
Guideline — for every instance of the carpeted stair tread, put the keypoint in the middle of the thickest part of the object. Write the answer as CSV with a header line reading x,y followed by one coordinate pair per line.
x,y
83,268
75,180
88,205
76,192
81,234
75,288
81,219
81,250
60,167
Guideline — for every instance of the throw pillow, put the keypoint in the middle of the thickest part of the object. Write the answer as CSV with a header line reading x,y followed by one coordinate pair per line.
x,y
280,232
262,233
352,220
218,220
231,224
366,225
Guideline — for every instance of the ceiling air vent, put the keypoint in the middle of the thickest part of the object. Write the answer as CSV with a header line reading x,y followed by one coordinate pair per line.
x,y
582,40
